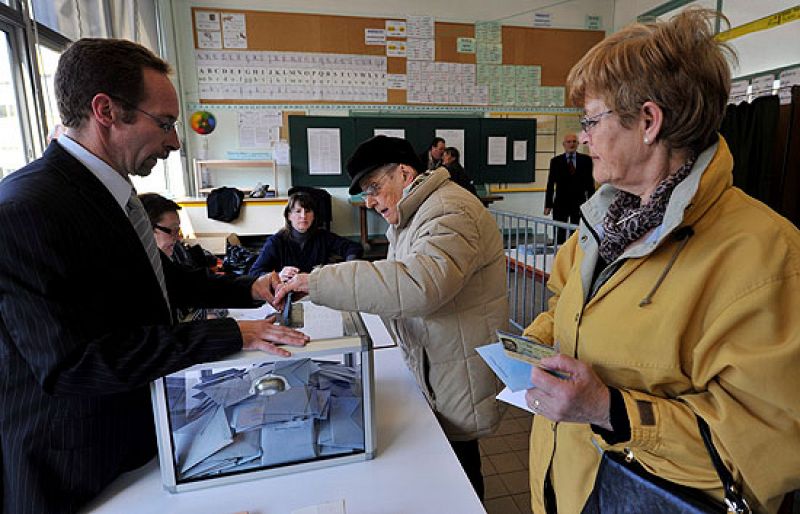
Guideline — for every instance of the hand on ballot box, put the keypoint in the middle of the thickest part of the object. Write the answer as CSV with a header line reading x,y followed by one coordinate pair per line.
x,y
288,272
265,335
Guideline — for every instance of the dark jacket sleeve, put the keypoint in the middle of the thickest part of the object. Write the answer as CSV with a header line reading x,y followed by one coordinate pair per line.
x,y
551,183
197,288
589,182
343,247
270,257
100,332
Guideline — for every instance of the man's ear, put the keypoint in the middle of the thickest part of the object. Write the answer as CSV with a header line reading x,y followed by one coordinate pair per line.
x,y
103,110
409,174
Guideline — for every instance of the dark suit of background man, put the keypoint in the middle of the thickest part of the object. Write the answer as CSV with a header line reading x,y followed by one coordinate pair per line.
x,y
569,184
431,158
84,321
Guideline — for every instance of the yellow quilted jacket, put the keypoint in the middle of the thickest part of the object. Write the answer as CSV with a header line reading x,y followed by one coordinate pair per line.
x,y
719,336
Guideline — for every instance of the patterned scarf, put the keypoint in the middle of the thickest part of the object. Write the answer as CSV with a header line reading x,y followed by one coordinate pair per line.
x,y
627,219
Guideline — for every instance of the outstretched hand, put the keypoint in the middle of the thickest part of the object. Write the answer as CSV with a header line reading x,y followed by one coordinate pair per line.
x,y
299,284
265,286
265,335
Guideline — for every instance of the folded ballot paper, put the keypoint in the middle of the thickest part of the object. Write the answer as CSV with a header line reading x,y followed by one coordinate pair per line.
x,y
514,373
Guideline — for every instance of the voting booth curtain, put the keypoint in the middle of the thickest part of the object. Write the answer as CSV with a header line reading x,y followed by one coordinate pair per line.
x,y
764,137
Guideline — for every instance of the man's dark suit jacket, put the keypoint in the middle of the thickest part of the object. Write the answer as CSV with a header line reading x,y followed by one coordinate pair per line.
x,y
567,191
84,329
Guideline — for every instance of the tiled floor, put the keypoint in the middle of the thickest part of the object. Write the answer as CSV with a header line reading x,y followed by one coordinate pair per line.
x,y
504,461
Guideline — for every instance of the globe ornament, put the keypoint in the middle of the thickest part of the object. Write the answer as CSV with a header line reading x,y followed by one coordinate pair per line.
x,y
203,122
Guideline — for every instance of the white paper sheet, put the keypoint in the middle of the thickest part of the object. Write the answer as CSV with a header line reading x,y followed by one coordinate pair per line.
x,y
324,151
206,20
516,399
520,150
401,133
496,156
374,37
395,28
454,138
234,30
377,330
321,322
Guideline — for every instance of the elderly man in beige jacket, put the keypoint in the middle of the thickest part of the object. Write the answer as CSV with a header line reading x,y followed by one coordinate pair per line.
x,y
441,289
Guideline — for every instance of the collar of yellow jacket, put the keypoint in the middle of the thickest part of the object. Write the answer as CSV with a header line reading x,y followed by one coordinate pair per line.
x,y
419,191
711,176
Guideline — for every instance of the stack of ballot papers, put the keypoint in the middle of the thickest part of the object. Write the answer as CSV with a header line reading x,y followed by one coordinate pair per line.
x,y
225,421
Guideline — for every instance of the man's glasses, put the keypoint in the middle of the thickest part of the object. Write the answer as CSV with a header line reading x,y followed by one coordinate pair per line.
x,y
588,122
174,232
374,188
167,125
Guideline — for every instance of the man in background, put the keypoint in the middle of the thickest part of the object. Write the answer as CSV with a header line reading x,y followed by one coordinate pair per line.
x,y
85,296
569,184
431,158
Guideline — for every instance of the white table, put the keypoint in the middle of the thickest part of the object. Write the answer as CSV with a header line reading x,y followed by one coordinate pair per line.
x,y
415,470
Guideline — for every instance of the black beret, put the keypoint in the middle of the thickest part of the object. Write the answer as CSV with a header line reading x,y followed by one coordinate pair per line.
x,y
376,152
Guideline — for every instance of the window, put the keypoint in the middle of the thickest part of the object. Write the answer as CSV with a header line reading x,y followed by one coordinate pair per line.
x,y
48,61
12,148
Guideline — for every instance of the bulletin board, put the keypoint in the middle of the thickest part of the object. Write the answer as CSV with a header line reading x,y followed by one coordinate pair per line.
x,y
518,134
555,50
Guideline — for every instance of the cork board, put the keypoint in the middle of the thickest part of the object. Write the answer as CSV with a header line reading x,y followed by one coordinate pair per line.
x,y
555,50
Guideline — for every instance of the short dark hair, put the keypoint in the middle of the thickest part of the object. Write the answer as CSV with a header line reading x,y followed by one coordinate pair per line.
x,y
156,206
452,150
112,66
306,201
436,141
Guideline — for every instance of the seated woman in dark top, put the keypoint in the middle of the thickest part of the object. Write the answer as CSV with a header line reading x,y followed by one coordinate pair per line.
x,y
301,244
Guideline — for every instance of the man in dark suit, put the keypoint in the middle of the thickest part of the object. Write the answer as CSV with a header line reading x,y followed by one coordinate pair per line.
x,y
431,158
569,184
85,322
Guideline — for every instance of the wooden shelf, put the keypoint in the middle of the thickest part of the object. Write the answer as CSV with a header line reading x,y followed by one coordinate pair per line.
x,y
200,165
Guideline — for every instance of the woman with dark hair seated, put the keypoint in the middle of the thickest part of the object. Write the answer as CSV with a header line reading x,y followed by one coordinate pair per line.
x,y
302,244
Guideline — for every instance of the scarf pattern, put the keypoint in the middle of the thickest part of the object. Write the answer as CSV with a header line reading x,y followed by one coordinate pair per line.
x,y
627,219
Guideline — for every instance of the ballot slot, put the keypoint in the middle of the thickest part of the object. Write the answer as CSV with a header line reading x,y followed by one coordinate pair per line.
x,y
260,415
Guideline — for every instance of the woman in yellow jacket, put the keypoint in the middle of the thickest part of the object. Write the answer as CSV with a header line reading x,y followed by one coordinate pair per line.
x,y
678,295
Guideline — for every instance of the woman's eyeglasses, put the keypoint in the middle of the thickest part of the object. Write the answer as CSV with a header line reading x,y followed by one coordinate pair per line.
x,y
589,122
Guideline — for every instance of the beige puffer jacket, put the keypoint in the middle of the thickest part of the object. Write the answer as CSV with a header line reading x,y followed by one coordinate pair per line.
x,y
442,291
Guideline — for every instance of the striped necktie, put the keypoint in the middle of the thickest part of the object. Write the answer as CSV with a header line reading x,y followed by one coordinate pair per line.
x,y
144,229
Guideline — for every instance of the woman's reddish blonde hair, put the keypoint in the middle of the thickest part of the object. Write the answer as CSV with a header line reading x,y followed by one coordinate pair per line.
x,y
677,64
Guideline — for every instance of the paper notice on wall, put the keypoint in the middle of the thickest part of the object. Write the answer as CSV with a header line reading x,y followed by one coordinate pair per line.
x,y
762,86
393,132
375,37
234,30
395,28
454,138
496,154
324,151
209,39
738,92
465,45
206,20
421,49
420,27
395,49
280,152
520,150
396,81
259,129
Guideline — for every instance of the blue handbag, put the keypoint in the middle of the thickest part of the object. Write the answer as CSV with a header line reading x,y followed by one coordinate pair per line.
x,y
623,486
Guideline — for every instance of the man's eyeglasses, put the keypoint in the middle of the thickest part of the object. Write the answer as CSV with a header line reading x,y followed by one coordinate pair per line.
x,y
374,187
167,125
588,122
174,232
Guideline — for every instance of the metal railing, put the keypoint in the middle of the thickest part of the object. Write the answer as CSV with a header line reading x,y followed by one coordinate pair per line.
x,y
530,246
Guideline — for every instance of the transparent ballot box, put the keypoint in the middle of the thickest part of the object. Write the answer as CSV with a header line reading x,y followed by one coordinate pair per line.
x,y
255,415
